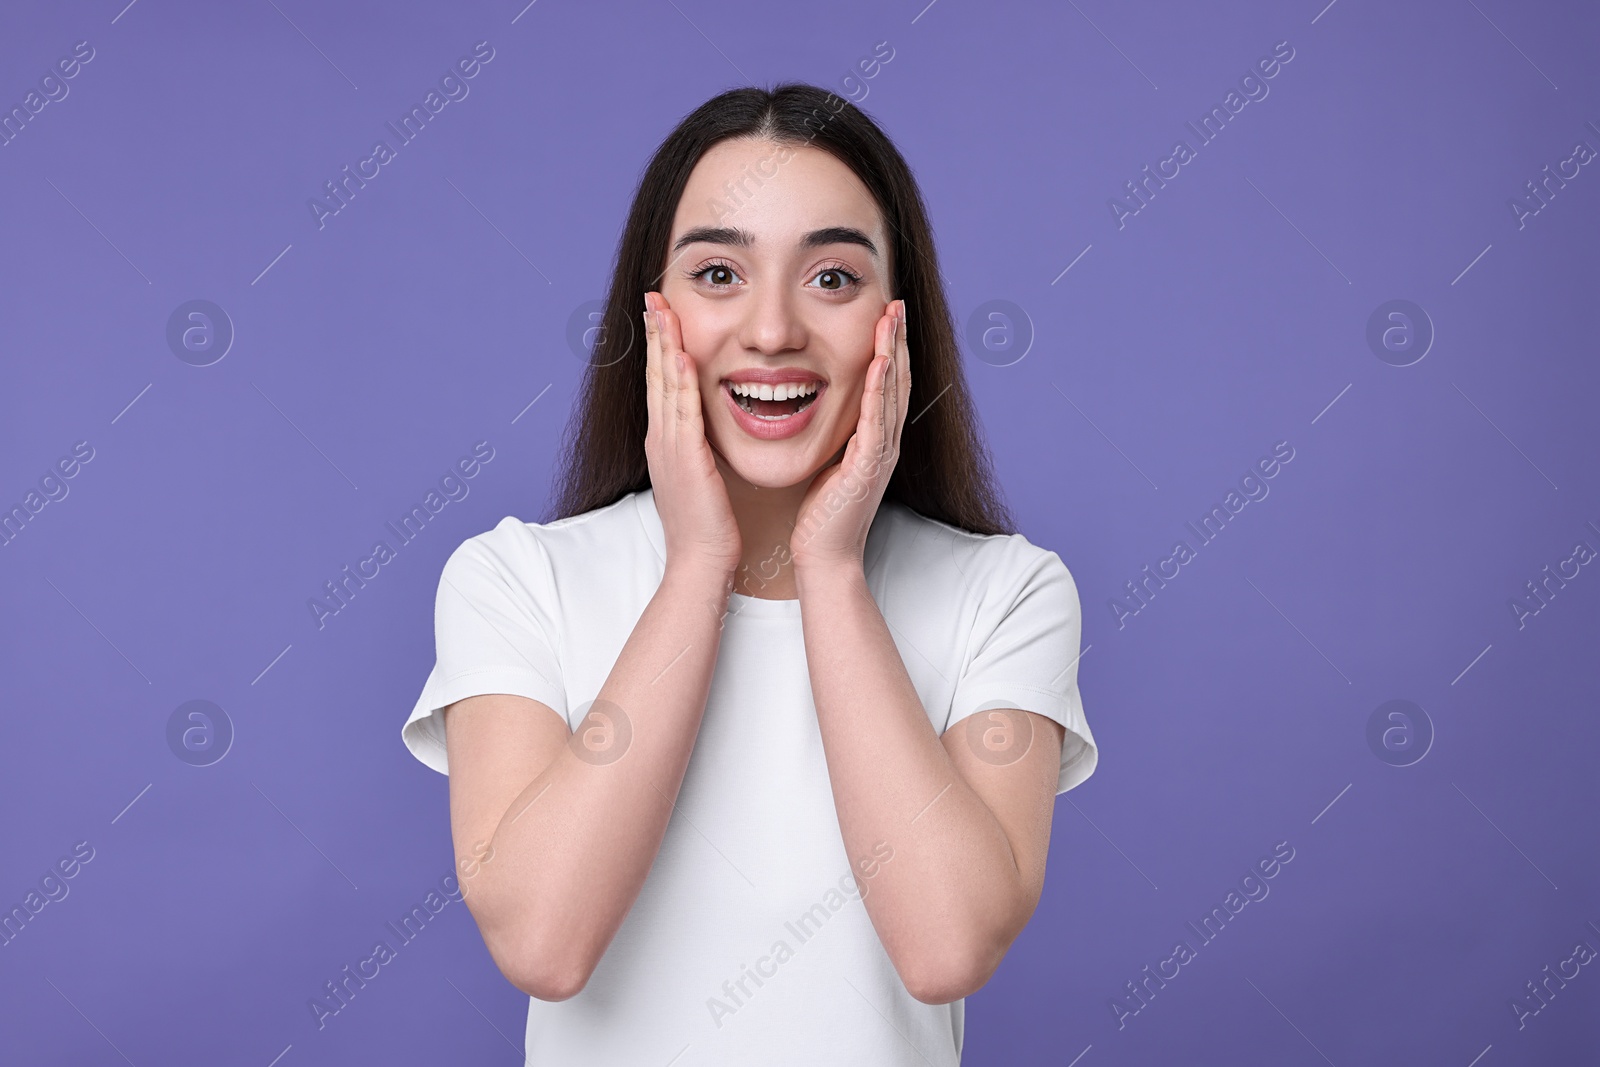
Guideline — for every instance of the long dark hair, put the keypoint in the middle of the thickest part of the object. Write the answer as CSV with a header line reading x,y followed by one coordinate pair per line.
x,y
943,471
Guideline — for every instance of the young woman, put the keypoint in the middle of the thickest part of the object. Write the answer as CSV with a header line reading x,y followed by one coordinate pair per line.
x,y
753,748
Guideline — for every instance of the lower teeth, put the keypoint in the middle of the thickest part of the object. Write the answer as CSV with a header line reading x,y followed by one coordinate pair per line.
x,y
744,402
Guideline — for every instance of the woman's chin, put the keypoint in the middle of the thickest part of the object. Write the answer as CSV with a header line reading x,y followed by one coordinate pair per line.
x,y
773,467
778,476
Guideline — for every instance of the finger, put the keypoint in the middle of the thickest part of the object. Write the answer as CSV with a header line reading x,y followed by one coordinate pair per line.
x,y
861,449
885,389
668,355
685,387
689,393
689,398
894,385
902,371
890,406
870,399
652,369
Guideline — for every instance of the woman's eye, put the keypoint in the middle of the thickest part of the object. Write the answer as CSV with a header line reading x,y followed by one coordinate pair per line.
x,y
720,274
840,278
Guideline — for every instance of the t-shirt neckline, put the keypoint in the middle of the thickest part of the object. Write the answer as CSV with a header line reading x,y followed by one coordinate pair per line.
x,y
739,603
762,607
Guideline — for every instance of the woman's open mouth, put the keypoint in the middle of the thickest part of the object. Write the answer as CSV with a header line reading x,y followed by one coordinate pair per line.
x,y
774,402
771,412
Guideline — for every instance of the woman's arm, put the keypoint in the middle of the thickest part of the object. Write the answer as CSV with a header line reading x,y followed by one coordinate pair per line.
x,y
572,832
574,825
969,836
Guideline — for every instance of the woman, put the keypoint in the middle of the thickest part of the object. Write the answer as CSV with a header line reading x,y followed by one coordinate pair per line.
x,y
753,749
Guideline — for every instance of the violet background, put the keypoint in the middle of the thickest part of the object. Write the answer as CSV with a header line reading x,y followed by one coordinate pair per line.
x,y
1229,314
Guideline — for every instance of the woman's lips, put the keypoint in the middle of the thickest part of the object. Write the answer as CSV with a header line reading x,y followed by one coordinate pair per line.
x,y
772,429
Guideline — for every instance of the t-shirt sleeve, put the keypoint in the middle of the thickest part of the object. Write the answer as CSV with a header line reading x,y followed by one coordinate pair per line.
x,y
493,632
1028,658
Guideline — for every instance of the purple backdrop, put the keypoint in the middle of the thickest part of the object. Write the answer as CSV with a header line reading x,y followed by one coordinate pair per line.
x,y
1377,255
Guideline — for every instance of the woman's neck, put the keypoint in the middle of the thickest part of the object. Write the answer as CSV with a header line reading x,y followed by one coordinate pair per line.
x,y
766,519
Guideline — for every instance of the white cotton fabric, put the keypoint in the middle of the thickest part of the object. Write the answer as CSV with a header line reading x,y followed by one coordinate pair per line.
x,y
754,846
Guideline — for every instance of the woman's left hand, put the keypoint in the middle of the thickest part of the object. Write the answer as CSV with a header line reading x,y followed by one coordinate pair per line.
x,y
837,512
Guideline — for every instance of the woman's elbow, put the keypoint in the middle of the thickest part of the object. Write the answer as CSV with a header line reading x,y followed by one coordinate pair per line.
x,y
943,987
548,983
546,966
546,970
951,974
941,991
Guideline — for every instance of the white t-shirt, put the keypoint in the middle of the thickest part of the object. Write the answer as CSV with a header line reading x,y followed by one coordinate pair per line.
x,y
749,943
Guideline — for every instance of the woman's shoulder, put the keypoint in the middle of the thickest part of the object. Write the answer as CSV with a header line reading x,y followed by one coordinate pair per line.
x,y
912,533
519,543
926,544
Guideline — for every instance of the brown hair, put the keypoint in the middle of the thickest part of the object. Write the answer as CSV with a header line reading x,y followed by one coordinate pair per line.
x,y
943,471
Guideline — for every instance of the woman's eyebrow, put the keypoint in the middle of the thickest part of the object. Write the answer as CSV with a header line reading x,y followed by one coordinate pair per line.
x,y
741,238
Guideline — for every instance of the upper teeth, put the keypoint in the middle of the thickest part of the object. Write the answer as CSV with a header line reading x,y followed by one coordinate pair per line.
x,y
782,391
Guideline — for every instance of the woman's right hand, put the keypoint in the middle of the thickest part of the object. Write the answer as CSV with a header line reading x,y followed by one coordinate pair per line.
x,y
690,495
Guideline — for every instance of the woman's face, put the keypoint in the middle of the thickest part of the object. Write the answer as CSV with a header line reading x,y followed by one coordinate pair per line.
x,y
778,269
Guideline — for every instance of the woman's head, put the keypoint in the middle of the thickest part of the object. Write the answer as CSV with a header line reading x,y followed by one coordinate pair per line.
x,y
779,225
788,284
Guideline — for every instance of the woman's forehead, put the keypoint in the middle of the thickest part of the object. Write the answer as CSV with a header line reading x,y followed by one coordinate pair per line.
x,y
766,197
